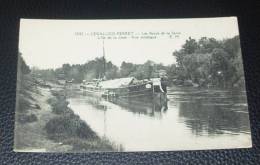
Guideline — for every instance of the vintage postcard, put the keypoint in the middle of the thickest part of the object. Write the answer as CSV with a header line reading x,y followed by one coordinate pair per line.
x,y
130,85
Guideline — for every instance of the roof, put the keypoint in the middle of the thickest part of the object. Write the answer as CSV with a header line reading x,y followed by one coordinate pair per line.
x,y
116,83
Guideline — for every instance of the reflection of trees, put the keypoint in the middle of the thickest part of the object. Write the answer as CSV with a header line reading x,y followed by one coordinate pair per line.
x,y
203,115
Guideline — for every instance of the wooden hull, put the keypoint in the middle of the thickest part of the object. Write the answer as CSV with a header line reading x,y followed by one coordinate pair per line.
x,y
133,92
140,93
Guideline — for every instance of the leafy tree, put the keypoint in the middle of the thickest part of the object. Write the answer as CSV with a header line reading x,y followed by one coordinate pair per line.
x,y
206,45
190,46
206,62
148,67
127,68
111,71
220,66
210,61
171,71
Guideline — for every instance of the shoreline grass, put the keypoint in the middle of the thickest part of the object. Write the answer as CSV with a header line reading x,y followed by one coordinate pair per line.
x,y
45,123
68,128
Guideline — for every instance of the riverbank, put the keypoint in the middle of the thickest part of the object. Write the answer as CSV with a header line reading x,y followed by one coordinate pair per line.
x,y
30,135
45,123
69,129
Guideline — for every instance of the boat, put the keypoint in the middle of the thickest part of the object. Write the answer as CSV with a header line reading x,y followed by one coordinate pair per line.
x,y
127,88
152,89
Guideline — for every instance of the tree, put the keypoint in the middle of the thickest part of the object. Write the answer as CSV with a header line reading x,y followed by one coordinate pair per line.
x,y
111,70
190,46
206,45
66,69
172,71
211,61
126,69
232,46
148,67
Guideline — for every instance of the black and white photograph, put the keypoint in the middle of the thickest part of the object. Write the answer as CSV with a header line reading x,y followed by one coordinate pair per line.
x,y
130,85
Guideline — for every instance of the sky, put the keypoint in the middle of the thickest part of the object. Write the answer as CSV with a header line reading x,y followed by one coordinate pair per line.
x,y
48,44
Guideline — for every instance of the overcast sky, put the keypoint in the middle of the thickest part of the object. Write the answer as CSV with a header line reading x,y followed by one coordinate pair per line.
x,y
51,43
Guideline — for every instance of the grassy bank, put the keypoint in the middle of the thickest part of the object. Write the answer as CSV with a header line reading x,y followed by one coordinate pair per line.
x,y
45,123
32,114
69,129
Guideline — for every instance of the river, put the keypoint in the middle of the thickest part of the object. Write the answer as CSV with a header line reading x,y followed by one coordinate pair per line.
x,y
192,119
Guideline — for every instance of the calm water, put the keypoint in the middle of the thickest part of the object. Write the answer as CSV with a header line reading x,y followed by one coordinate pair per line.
x,y
192,119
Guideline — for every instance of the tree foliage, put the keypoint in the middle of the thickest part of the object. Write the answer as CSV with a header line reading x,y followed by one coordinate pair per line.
x,y
211,62
206,62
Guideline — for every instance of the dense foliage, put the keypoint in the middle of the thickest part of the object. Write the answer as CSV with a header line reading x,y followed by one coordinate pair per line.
x,y
99,68
206,62
209,62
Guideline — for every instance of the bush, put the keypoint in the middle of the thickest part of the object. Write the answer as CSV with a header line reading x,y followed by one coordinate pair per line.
x,y
68,125
59,105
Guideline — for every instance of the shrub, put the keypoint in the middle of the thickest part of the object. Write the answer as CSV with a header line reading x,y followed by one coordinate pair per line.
x,y
68,125
59,105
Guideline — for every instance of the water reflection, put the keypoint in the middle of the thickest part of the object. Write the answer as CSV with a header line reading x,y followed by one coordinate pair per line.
x,y
191,119
144,107
214,112
213,119
139,107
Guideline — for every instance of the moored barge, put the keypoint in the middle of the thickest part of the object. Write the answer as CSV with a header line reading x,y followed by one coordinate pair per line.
x,y
154,89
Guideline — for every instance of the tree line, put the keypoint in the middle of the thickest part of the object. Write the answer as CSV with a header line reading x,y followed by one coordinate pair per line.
x,y
205,62
100,68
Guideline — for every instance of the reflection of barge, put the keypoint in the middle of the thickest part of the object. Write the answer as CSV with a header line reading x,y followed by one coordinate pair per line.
x,y
135,106
128,88
146,108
